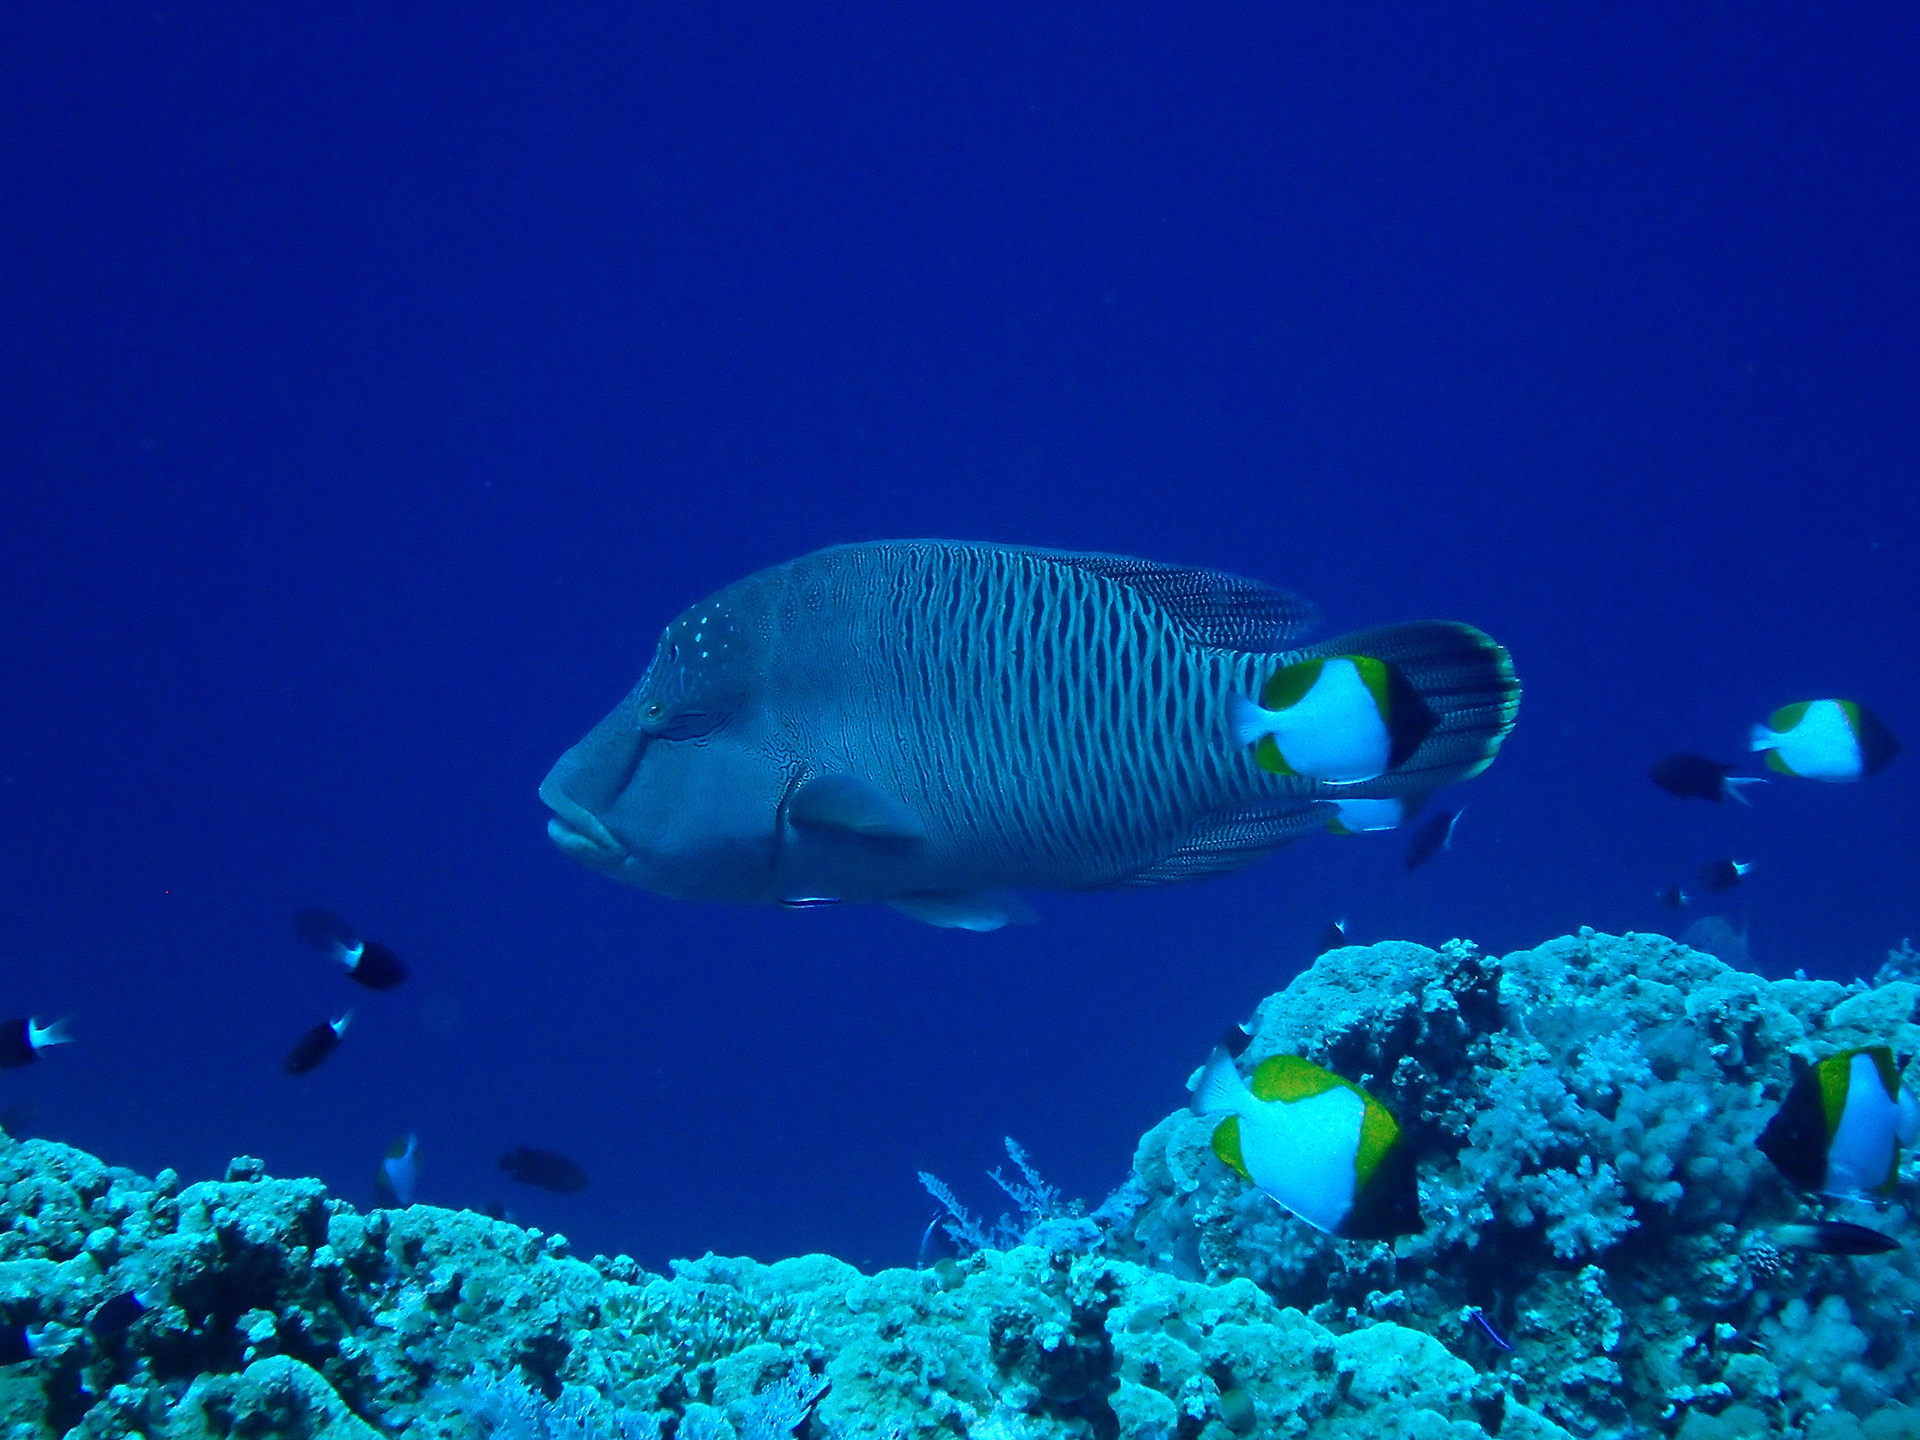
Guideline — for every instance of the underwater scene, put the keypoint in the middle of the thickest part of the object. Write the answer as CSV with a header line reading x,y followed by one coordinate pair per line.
x,y
959,723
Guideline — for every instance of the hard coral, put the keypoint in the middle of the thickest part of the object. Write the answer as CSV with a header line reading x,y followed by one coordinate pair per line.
x,y
1584,1115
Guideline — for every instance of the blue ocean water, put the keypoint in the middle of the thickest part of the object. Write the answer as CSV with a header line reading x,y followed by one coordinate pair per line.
x,y
375,383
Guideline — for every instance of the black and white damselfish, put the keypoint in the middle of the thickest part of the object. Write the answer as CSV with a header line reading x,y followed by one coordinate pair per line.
x,y
368,961
935,725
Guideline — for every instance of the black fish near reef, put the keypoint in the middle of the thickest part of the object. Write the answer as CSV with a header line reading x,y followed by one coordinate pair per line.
x,y
1718,875
21,1041
312,1048
368,962
1835,1237
1671,896
1333,937
930,724
545,1170
1431,838
117,1315
1697,777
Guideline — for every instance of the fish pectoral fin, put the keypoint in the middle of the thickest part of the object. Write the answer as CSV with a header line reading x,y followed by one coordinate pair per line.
x,y
966,909
850,806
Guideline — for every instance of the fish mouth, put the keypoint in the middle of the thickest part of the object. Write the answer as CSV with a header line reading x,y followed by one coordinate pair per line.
x,y
578,832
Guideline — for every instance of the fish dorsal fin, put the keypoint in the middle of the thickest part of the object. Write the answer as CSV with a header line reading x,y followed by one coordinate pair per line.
x,y
1290,1078
849,806
1223,843
1212,606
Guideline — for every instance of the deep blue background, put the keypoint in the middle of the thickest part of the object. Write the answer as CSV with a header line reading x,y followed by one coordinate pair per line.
x,y
375,383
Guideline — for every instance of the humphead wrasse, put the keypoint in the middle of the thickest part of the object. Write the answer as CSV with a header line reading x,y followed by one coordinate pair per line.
x,y
935,725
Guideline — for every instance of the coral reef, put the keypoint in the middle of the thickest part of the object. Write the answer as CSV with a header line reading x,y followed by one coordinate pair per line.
x,y
1602,1258
268,1308
1584,1114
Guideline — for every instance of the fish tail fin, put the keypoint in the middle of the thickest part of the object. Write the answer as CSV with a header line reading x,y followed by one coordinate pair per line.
x,y
1761,738
1218,1088
1730,785
1248,721
1462,678
58,1033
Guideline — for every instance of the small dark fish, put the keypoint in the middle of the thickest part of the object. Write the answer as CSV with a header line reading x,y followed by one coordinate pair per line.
x,y
494,1209
368,962
1333,937
116,1316
21,1041
545,1169
1718,875
17,1343
1672,896
1835,1237
1431,838
1236,1040
316,1045
1696,777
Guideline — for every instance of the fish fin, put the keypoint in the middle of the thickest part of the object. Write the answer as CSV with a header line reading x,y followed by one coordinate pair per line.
x,y
1463,677
1211,606
1730,785
967,909
1761,738
1221,844
56,1033
1249,722
853,807
1877,743
1218,1089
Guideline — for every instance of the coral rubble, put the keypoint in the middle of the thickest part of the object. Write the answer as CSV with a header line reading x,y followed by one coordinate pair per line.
x,y
1597,1263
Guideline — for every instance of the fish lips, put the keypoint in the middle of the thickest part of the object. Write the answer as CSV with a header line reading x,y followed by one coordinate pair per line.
x,y
588,778
574,828
579,834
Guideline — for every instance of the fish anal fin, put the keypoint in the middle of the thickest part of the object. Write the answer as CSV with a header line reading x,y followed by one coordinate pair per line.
x,y
1233,840
966,909
850,806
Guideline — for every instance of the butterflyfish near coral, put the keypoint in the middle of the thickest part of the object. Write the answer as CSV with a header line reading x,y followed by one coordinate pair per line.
x,y
1318,1144
935,725
1832,740
1843,1123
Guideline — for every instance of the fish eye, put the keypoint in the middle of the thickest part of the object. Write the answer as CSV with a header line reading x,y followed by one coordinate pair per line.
x,y
653,711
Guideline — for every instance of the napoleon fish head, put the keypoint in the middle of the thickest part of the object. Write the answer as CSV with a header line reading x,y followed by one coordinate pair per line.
x,y
672,790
